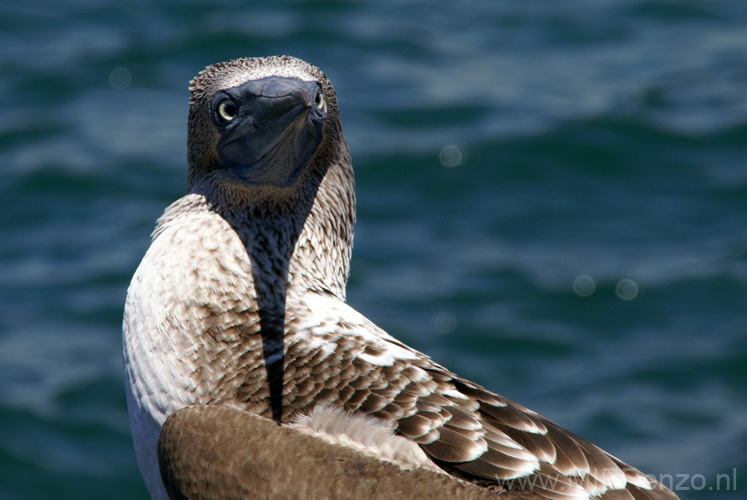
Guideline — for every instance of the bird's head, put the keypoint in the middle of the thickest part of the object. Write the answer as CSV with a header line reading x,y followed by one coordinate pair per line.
x,y
260,126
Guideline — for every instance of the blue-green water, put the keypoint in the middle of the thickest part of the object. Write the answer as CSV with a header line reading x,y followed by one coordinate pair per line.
x,y
504,151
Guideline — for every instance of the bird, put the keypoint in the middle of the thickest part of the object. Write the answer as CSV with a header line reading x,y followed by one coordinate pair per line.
x,y
240,302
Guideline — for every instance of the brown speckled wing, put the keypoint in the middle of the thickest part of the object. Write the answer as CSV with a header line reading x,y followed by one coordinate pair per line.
x,y
465,429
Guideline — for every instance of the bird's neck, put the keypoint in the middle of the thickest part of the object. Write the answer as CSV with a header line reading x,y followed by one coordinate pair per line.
x,y
295,249
321,255
297,246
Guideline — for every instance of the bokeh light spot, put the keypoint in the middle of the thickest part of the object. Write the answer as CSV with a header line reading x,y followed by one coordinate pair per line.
x,y
626,289
120,78
452,155
444,322
584,285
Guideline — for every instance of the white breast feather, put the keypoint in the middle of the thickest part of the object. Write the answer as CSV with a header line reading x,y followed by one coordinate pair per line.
x,y
158,332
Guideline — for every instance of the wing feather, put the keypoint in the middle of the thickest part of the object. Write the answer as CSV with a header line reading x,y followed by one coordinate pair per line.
x,y
465,429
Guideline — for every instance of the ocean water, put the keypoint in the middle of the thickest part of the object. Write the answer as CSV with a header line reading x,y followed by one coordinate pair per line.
x,y
552,201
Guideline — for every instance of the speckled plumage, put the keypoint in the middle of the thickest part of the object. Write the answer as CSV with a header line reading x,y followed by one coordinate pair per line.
x,y
240,301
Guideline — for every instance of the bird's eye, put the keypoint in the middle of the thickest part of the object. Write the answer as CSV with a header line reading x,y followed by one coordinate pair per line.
x,y
227,110
319,101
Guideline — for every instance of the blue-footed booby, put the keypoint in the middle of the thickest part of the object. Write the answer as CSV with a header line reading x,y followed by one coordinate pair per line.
x,y
240,302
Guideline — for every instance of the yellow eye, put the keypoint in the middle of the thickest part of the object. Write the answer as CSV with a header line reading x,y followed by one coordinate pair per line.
x,y
319,101
227,110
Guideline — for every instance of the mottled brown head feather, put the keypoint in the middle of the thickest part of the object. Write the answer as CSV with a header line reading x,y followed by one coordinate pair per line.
x,y
202,136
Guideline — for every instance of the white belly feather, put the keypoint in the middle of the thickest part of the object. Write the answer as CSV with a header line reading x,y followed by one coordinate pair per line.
x,y
366,434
